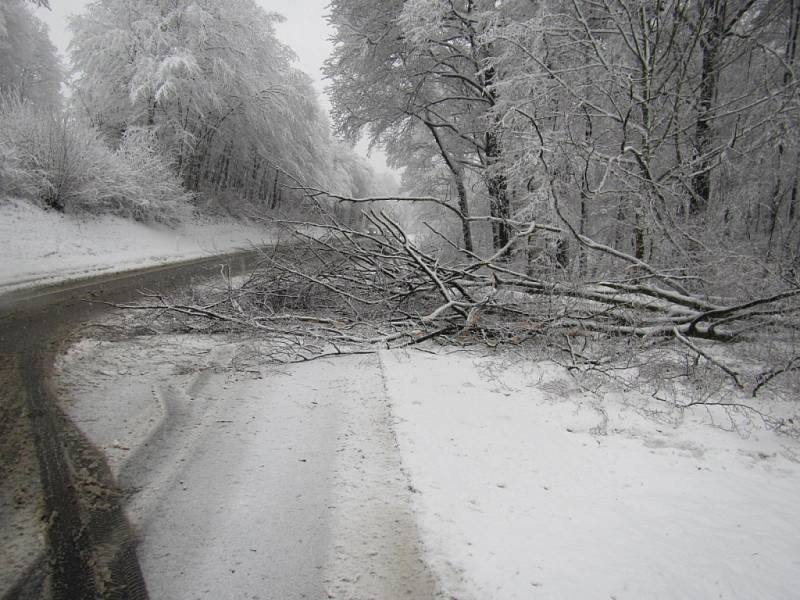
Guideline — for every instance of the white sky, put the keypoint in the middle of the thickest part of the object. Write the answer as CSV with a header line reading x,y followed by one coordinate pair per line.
x,y
305,30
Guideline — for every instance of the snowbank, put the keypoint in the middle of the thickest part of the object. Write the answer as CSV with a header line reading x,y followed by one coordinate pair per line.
x,y
40,246
528,487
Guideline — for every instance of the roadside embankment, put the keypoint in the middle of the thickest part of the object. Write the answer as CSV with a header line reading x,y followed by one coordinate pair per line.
x,y
41,247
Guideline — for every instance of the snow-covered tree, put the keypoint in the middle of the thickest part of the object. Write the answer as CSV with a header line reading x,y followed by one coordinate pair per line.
x,y
211,79
399,67
29,67
653,123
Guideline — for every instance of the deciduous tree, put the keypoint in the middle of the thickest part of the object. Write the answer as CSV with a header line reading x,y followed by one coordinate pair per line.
x,y
29,66
214,83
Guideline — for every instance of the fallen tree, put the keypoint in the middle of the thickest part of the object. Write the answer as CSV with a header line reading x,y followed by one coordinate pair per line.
x,y
340,289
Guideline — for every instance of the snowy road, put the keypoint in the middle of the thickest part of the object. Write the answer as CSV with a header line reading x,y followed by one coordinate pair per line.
x,y
146,467
180,466
47,470
232,497
277,485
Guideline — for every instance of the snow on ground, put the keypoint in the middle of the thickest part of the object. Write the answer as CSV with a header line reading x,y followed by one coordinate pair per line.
x,y
519,484
253,481
38,246
528,487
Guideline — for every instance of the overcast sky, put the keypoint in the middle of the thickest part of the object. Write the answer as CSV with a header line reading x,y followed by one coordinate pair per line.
x,y
305,30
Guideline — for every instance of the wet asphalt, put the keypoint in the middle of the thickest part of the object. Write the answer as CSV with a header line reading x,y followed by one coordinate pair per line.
x,y
89,548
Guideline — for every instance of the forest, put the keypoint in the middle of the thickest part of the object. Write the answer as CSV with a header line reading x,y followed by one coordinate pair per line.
x,y
615,181
166,104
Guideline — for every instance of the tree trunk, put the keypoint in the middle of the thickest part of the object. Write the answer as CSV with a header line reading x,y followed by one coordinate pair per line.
x,y
583,257
714,13
582,253
457,172
496,180
463,206
151,111
497,185
275,198
639,235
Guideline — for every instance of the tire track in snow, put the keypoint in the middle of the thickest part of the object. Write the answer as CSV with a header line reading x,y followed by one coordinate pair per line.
x,y
376,552
90,549
148,471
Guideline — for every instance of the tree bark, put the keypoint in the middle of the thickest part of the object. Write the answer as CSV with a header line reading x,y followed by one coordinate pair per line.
x,y
714,13
497,186
457,173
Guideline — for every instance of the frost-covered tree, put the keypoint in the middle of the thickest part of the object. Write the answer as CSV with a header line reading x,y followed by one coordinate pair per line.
x,y
652,124
29,67
641,156
424,65
210,79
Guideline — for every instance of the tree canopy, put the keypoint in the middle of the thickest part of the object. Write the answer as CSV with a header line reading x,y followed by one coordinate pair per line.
x,y
212,80
29,66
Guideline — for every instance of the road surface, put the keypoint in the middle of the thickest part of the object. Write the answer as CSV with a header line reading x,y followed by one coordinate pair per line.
x,y
41,452
283,486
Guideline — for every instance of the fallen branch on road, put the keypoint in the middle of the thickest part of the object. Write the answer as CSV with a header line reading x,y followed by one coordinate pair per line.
x,y
339,290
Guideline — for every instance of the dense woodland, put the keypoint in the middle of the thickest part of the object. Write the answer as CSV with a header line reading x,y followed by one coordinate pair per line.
x,y
197,100
647,124
580,171
609,168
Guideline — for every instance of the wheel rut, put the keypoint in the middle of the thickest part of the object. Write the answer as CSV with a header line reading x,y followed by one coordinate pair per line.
x,y
58,479
91,548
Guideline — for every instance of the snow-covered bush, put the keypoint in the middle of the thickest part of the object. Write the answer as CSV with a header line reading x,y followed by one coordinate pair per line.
x,y
51,156
61,161
153,191
9,165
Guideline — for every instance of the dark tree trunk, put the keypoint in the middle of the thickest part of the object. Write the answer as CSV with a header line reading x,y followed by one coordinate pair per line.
x,y
639,236
275,199
711,43
497,186
457,172
463,206
496,180
562,252
151,112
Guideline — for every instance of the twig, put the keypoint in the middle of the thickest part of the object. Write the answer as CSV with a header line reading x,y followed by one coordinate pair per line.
x,y
730,372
